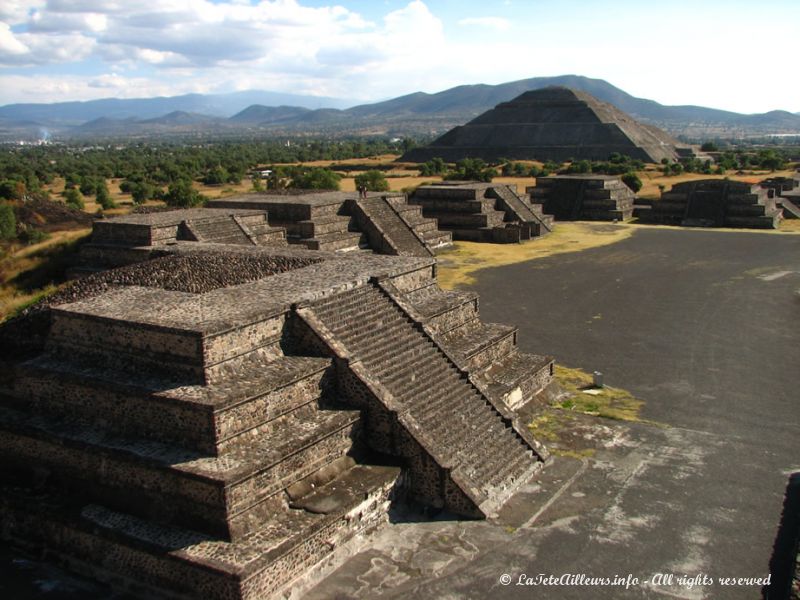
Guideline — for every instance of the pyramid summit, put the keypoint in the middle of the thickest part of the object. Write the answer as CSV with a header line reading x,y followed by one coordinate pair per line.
x,y
555,123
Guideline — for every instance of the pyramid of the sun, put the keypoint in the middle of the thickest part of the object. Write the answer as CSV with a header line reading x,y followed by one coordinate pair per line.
x,y
554,123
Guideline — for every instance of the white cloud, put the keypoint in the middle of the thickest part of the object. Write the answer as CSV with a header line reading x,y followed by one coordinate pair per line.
x,y
498,23
10,46
16,11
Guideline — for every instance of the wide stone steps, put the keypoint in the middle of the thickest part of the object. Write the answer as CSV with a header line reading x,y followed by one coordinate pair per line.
x,y
225,496
211,419
111,544
454,417
219,231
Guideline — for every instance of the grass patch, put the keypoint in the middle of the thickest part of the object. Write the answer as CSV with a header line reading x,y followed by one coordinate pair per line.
x,y
549,425
790,225
609,403
568,426
457,267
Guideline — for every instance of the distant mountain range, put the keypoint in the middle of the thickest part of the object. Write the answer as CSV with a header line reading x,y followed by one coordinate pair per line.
x,y
264,113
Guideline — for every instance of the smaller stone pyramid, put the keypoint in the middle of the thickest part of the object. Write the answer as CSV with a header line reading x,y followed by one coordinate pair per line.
x,y
554,123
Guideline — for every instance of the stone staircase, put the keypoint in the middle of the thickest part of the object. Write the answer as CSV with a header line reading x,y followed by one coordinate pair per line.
x,y
201,484
259,231
217,230
487,351
534,222
427,229
476,446
789,204
387,231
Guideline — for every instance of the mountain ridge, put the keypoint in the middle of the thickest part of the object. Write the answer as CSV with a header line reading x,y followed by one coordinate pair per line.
x,y
411,114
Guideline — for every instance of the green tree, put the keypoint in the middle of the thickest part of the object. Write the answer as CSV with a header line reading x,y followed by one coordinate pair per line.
x,y
471,169
141,192
181,194
216,176
8,222
374,181
103,198
435,166
315,179
74,198
709,147
8,190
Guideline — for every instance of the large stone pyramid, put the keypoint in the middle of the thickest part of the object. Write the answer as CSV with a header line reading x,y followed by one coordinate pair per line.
x,y
554,123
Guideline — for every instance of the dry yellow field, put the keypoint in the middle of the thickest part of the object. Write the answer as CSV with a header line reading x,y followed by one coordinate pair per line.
x,y
24,269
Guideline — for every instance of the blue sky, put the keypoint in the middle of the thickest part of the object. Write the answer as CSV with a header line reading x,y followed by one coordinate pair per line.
x,y
733,55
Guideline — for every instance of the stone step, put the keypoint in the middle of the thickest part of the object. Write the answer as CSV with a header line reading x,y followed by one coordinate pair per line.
x,y
765,222
227,496
437,239
108,544
515,378
373,348
419,373
318,227
207,419
332,242
491,218
390,358
443,310
478,344
117,331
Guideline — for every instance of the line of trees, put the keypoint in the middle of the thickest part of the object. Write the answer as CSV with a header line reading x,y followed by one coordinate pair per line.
x,y
148,170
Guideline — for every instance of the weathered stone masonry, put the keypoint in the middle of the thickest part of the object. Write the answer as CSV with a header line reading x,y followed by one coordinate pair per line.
x,y
218,438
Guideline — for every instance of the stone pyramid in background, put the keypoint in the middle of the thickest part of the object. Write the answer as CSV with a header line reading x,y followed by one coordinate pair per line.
x,y
555,123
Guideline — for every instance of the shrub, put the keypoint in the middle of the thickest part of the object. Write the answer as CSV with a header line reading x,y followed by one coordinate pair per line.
x,y
632,180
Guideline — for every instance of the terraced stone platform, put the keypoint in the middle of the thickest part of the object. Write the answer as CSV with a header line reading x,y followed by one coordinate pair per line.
x,y
584,197
713,203
219,438
482,212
